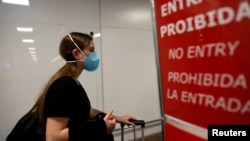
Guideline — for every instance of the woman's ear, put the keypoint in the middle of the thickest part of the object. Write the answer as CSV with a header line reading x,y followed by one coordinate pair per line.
x,y
76,54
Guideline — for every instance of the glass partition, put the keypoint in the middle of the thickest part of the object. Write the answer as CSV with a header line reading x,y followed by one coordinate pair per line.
x,y
29,42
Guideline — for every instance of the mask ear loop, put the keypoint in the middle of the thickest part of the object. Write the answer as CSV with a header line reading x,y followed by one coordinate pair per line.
x,y
75,44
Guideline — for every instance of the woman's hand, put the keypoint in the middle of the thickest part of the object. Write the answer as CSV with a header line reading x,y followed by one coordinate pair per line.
x,y
125,119
110,121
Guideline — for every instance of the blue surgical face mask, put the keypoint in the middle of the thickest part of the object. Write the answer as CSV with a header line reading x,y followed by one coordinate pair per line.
x,y
90,62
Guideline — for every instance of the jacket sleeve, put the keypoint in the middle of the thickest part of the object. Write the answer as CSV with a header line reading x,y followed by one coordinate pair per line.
x,y
90,130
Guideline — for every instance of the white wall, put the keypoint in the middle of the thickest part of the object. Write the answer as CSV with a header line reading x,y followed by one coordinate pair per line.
x,y
127,79
129,66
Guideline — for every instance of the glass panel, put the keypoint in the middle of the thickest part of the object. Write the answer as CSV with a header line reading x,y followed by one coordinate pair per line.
x,y
25,67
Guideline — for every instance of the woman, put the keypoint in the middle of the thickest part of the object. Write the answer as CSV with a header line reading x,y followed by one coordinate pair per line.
x,y
64,110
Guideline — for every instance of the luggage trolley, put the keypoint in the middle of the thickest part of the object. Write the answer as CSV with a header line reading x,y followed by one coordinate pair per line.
x,y
136,122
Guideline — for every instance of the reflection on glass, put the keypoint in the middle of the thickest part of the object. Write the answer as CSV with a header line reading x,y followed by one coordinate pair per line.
x,y
28,40
24,29
19,2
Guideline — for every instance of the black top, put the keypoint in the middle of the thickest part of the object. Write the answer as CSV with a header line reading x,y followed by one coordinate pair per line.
x,y
66,98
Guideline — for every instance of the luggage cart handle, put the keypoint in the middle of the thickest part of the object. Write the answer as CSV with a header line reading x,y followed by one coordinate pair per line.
x,y
139,122
136,122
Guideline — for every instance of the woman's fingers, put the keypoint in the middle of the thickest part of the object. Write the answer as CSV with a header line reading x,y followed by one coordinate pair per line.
x,y
109,115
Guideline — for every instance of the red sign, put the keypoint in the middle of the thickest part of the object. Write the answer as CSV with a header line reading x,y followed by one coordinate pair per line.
x,y
203,48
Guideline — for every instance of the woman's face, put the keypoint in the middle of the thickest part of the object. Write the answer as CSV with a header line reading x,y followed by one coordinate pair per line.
x,y
90,48
86,51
